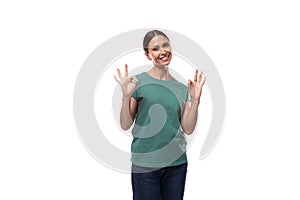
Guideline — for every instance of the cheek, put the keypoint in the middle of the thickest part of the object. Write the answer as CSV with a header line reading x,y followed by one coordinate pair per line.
x,y
153,55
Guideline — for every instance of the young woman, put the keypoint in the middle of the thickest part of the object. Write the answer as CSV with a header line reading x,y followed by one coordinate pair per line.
x,y
163,110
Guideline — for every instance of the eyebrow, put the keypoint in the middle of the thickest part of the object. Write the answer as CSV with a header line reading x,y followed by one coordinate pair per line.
x,y
158,45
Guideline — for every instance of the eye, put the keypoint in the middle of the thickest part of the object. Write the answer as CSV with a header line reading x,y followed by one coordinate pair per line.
x,y
166,45
155,49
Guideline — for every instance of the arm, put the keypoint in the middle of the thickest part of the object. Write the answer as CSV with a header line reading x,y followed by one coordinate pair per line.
x,y
128,110
189,116
129,104
190,113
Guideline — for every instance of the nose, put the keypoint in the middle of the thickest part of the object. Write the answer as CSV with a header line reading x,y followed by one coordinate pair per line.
x,y
162,49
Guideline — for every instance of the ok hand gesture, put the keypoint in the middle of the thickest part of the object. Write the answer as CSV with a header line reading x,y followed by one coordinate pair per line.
x,y
128,84
195,88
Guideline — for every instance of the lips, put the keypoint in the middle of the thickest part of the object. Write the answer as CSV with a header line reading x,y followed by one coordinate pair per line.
x,y
165,57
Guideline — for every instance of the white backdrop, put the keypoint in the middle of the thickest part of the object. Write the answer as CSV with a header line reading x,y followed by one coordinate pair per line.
x,y
254,45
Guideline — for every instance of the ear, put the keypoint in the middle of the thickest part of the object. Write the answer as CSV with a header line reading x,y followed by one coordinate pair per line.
x,y
148,56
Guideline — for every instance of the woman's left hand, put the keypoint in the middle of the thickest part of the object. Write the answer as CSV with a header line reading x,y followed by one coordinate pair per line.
x,y
195,87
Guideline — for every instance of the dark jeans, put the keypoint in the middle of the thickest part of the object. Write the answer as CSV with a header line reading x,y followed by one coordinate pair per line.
x,y
161,184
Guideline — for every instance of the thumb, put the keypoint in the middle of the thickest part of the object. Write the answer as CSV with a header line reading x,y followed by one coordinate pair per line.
x,y
134,81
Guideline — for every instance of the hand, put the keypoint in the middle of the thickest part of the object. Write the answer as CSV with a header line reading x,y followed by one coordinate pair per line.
x,y
126,83
195,88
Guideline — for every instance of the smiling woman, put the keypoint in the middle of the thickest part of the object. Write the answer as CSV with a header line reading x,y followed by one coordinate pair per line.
x,y
154,42
164,110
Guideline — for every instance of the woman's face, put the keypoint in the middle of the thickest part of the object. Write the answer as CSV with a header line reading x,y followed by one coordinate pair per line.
x,y
159,50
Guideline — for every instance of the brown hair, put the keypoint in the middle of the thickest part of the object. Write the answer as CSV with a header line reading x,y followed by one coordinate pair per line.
x,y
149,36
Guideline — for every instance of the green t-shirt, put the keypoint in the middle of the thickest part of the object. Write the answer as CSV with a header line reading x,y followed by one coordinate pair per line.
x,y
158,139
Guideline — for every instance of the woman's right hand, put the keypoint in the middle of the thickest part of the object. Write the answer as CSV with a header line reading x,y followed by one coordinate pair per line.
x,y
128,84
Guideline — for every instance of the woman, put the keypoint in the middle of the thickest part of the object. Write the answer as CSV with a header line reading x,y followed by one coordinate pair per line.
x,y
163,110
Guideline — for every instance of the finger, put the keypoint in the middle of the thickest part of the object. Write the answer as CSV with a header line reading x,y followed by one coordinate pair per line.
x,y
200,77
204,79
126,70
190,84
196,75
119,73
116,79
133,80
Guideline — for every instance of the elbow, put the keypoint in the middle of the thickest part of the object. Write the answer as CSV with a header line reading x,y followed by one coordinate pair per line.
x,y
125,124
124,127
188,132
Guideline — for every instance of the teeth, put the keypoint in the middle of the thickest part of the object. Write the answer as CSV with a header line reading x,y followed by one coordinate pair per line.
x,y
164,58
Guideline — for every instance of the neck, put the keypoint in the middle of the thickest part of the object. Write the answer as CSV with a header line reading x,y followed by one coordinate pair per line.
x,y
161,73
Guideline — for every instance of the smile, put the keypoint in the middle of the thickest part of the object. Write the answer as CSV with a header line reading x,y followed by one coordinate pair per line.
x,y
165,58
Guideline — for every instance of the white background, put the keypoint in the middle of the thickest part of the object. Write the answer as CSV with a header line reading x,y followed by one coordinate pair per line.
x,y
254,45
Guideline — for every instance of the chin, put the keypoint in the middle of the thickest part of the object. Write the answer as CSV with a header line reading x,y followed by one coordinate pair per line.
x,y
164,63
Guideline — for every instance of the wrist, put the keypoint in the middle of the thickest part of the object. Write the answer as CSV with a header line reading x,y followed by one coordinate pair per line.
x,y
126,97
195,101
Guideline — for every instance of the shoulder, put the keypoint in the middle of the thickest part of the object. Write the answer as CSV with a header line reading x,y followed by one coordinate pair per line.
x,y
141,76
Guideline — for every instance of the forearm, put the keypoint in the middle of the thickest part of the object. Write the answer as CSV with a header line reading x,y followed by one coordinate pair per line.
x,y
126,119
190,119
